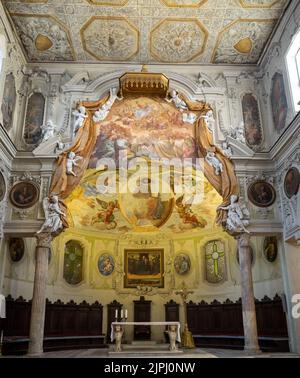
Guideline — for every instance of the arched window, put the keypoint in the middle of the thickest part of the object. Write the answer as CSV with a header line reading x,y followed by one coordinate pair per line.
x,y
215,265
73,262
293,66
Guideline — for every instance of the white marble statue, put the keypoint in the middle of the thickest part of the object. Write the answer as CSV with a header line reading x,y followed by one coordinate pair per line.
x,y
239,133
118,337
227,150
189,117
178,102
72,162
113,96
237,216
53,214
101,113
210,120
80,116
48,130
214,162
172,332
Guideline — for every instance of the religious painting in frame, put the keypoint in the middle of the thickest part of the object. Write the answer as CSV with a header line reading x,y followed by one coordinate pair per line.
x,y
215,262
270,248
261,193
144,267
34,119
106,264
252,122
8,101
2,187
278,102
16,249
182,264
24,194
291,182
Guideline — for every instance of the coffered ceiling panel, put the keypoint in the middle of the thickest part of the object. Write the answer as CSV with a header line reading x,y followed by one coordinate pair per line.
x,y
145,31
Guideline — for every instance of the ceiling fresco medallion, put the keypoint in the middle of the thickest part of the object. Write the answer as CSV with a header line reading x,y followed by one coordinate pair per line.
x,y
110,38
44,38
108,2
183,3
260,3
242,41
178,40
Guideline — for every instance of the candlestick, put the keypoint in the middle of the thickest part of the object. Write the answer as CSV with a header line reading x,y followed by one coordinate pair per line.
x,y
126,314
116,314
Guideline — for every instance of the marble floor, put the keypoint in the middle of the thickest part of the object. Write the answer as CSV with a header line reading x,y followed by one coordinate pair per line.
x,y
187,353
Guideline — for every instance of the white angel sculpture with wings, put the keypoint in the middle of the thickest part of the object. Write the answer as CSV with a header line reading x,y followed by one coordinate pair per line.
x,y
237,216
53,222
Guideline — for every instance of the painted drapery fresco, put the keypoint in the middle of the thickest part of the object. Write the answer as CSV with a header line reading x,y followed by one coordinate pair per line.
x,y
252,122
34,119
9,101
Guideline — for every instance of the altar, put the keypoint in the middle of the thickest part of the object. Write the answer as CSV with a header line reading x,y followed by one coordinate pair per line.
x,y
173,328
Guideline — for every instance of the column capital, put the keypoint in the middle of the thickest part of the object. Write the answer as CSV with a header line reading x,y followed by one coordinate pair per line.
x,y
44,239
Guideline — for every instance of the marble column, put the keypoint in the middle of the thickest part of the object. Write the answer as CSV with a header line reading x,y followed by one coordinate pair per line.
x,y
248,302
38,307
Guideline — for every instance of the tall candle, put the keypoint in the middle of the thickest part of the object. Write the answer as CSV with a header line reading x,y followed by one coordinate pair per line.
x,y
1,339
126,314
122,314
116,314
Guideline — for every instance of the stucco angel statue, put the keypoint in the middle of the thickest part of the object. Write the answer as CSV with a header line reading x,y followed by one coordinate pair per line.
x,y
238,133
214,162
178,102
53,222
48,130
227,151
113,96
237,215
80,116
101,113
72,162
210,120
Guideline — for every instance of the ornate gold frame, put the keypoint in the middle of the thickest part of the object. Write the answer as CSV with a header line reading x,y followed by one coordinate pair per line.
x,y
266,6
195,20
200,3
105,2
121,18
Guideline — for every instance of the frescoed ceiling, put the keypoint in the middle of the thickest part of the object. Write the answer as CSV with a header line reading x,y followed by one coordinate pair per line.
x,y
145,31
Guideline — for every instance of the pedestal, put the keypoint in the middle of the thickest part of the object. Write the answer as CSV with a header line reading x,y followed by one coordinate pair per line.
x,y
38,306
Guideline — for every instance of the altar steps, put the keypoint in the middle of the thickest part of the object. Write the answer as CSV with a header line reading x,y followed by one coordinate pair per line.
x,y
143,348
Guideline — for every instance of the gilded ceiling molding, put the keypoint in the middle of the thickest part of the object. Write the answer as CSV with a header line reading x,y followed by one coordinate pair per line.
x,y
235,45
110,38
34,1
178,40
34,39
257,4
108,2
184,3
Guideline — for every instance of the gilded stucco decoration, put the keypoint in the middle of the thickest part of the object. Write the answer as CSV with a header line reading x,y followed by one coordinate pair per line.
x,y
145,32
112,38
242,41
260,3
44,38
178,40
184,3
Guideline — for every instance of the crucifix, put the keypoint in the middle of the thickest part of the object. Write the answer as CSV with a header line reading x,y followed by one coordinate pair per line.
x,y
187,338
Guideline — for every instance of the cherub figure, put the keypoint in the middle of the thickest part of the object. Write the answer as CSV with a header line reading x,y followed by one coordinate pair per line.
x,y
236,216
239,133
80,116
227,151
72,162
113,96
178,102
214,162
189,117
48,130
172,332
101,113
53,214
118,336
210,120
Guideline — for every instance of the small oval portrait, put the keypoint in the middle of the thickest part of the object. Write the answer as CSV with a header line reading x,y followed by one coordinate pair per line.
x,y
24,194
291,182
270,248
16,248
251,254
2,187
182,264
261,194
106,264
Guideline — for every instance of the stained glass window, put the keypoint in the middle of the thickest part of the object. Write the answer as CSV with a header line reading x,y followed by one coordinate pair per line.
x,y
73,261
215,266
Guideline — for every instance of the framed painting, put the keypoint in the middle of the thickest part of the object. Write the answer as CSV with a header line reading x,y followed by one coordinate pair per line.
x,y
182,264
270,248
252,123
143,267
24,194
34,119
106,264
291,182
278,101
9,101
261,194
16,249
2,187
